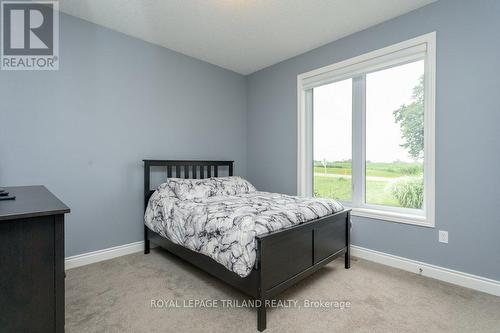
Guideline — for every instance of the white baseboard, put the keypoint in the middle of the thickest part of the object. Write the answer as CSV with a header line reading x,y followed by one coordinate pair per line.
x,y
101,255
436,272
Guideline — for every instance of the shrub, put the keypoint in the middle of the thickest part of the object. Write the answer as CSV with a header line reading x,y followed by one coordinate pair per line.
x,y
409,191
411,170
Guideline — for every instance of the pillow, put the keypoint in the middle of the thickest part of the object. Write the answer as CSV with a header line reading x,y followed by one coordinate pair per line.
x,y
190,189
200,189
165,191
230,186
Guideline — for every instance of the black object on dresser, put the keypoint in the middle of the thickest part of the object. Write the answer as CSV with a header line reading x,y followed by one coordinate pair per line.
x,y
4,195
32,261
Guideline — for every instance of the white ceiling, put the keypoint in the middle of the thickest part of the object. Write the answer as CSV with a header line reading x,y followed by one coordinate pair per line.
x,y
240,35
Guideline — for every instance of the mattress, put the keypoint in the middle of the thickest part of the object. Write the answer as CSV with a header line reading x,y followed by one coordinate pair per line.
x,y
224,226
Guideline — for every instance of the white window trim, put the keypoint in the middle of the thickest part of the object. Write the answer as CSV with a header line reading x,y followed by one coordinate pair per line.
x,y
421,47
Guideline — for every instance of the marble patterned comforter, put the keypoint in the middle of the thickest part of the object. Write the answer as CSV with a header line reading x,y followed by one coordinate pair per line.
x,y
224,227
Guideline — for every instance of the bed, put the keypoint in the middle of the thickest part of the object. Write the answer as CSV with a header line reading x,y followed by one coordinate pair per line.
x,y
269,228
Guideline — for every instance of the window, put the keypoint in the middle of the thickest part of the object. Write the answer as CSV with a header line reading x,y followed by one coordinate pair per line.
x,y
366,132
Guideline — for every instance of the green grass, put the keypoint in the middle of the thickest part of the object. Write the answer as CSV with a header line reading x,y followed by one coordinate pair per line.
x,y
333,188
388,170
378,191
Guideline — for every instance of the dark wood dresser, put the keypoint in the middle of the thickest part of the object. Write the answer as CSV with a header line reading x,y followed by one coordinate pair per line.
x,y
32,261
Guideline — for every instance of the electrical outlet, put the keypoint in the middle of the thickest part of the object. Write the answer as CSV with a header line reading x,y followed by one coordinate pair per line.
x,y
443,236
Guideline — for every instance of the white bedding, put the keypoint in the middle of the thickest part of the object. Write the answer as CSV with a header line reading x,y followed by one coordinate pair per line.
x,y
224,226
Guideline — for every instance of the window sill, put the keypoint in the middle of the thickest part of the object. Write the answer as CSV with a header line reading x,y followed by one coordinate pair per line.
x,y
393,217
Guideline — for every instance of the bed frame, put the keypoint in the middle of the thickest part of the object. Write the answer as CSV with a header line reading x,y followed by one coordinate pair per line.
x,y
284,257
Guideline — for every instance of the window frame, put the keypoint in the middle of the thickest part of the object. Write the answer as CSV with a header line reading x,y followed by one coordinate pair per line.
x,y
418,48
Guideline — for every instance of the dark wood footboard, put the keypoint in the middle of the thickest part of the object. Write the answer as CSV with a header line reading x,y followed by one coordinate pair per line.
x,y
283,258
287,256
291,254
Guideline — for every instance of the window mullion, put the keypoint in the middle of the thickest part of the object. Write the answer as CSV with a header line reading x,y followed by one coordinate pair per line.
x,y
306,189
358,140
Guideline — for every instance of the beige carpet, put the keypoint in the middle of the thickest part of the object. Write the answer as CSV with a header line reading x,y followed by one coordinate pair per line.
x,y
115,296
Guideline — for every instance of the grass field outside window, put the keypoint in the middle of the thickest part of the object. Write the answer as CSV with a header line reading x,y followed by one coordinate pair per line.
x,y
334,180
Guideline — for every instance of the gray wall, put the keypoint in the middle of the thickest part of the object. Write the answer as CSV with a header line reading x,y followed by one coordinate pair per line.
x,y
83,130
467,132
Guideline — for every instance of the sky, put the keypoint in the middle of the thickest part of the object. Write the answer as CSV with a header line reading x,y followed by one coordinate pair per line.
x,y
386,91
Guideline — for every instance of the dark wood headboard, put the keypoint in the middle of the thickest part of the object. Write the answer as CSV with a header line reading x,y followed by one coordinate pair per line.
x,y
183,169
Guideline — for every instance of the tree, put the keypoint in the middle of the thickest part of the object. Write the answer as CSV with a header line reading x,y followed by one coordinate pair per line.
x,y
411,120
